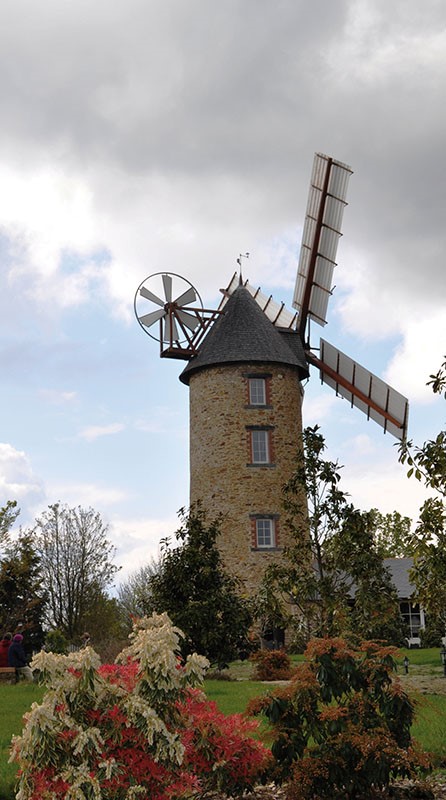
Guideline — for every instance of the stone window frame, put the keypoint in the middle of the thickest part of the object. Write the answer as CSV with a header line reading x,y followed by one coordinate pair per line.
x,y
273,519
268,442
263,376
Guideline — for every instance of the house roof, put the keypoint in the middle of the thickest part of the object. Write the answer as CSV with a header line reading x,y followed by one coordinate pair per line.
x,y
243,333
399,571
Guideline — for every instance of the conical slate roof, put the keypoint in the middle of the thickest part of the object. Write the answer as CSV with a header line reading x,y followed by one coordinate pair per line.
x,y
243,333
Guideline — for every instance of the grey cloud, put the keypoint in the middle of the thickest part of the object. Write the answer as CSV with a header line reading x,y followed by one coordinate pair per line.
x,y
232,99
174,85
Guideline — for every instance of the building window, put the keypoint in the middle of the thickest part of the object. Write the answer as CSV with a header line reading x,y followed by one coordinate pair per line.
x,y
413,618
265,537
265,531
257,391
260,447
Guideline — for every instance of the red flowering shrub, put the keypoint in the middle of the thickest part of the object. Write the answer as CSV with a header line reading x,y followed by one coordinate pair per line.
x,y
341,728
132,730
271,665
220,749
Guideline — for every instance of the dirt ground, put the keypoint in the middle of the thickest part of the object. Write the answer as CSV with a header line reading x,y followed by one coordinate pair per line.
x,y
432,789
426,683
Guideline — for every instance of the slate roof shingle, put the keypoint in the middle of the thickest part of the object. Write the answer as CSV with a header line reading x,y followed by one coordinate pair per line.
x,y
243,333
399,571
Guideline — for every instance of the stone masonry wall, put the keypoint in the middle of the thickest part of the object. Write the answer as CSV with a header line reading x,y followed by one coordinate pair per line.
x,y
222,478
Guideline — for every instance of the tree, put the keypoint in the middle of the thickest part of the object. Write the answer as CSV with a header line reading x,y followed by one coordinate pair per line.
x,y
333,557
76,564
309,577
320,584
134,593
197,593
55,642
22,593
429,569
427,463
8,515
392,534
375,614
106,626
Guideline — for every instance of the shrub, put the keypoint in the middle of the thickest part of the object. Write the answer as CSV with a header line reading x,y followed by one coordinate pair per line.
x,y
432,634
342,726
271,665
56,642
219,675
134,729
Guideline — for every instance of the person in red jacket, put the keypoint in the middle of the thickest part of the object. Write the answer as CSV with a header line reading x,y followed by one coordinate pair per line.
x,y
4,647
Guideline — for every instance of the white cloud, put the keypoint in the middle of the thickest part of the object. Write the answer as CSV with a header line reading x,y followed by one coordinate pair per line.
x,y
415,360
46,211
383,485
92,495
317,410
56,397
361,446
377,49
137,540
162,420
93,432
17,478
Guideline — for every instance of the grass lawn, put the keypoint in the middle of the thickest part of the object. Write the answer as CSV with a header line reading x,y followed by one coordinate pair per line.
x,y
429,728
14,702
430,657
232,697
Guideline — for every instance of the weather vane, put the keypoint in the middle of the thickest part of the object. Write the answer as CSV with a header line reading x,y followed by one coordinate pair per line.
x,y
239,262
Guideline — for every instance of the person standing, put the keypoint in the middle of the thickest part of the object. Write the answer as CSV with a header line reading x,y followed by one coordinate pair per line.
x,y
17,658
4,647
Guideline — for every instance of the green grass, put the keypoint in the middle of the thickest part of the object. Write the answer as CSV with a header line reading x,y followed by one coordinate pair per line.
x,y
14,702
232,697
430,657
429,728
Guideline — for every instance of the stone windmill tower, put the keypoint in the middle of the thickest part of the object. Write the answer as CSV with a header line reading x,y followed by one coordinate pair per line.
x,y
246,362
245,429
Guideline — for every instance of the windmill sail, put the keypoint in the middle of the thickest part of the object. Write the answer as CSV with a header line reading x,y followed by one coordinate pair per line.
x,y
322,229
276,312
362,389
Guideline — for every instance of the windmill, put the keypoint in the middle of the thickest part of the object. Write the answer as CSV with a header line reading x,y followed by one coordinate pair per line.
x,y
246,363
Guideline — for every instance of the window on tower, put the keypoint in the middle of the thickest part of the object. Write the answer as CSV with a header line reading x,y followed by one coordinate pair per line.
x,y
257,391
264,531
260,447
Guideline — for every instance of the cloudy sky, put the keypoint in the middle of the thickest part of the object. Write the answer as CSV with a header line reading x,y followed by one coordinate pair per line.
x,y
139,136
